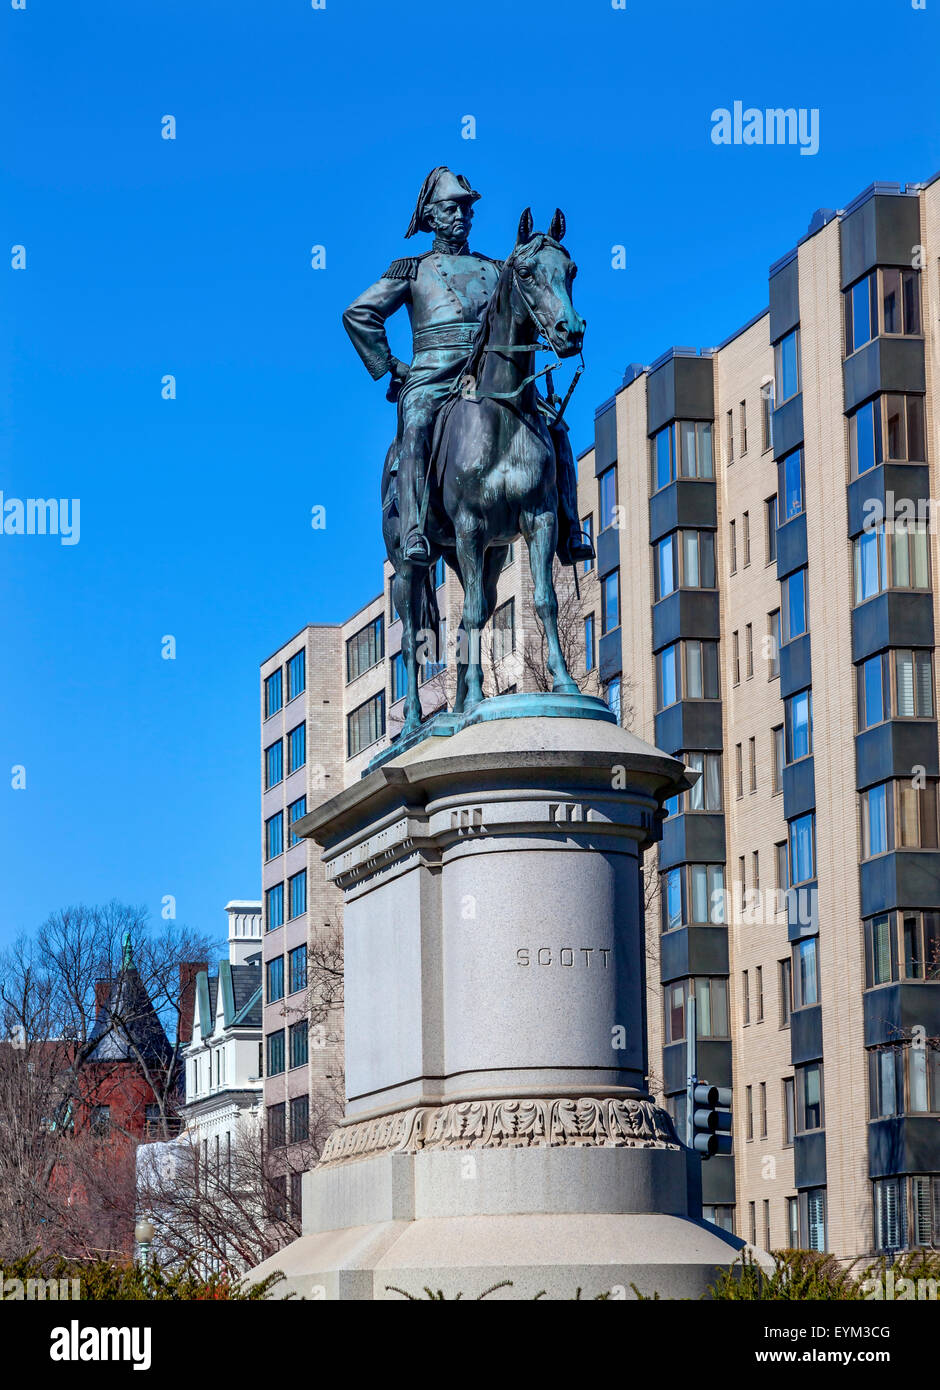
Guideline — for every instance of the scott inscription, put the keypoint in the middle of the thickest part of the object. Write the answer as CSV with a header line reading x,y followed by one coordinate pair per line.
x,y
589,957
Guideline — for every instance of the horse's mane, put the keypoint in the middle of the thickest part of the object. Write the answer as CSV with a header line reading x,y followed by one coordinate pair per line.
x,y
535,243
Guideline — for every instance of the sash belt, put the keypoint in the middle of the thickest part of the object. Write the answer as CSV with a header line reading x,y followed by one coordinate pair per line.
x,y
445,335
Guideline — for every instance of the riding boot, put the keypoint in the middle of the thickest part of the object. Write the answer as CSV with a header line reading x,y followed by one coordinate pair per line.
x,y
573,543
414,544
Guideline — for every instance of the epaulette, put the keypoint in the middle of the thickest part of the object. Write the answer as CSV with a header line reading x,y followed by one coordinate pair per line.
x,y
492,259
405,269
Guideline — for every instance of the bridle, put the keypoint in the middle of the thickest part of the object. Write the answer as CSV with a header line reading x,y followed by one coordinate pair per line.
x,y
537,346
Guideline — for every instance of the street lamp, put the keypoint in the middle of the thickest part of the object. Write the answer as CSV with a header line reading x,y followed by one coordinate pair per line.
x,y
143,1234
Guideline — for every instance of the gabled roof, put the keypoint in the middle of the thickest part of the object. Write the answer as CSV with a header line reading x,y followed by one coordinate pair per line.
x,y
231,998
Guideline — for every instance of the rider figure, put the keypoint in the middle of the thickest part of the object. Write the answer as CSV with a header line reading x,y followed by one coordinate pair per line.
x,y
446,291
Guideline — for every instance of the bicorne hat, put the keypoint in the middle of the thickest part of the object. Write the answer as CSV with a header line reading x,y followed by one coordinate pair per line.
x,y
441,183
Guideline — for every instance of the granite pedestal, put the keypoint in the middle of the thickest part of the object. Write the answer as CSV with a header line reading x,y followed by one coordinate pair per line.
x,y
498,1124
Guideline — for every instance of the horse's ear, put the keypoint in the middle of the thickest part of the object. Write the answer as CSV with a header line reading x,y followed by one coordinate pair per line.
x,y
525,227
557,230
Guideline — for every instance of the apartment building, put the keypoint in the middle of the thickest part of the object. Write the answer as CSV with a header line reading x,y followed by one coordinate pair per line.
x,y
331,699
766,600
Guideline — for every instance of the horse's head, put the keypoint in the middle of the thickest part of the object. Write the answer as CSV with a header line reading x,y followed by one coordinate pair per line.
x,y
542,275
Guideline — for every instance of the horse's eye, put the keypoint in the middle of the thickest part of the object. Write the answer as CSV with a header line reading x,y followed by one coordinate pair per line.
x,y
525,272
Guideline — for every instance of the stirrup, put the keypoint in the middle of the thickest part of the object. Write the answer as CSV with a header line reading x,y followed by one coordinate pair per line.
x,y
580,546
416,548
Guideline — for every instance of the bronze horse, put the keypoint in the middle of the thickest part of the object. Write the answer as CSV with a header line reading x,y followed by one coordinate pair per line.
x,y
494,461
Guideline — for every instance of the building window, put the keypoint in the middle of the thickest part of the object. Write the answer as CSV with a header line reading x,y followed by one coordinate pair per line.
x,y
904,428
809,1097
749,650
365,648
439,571
906,1213
793,1222
752,765
762,1111
587,526
687,670
695,449
276,1116
898,815
296,675
274,835
773,644
711,1008
686,442
275,980
610,601
612,696
902,946
729,435
685,559
745,999
896,684
743,410
766,416
100,1119
749,1135
432,648
399,676
721,1216
706,793
746,530
274,906
273,693
589,657
299,1118
607,497
805,972
297,969
365,725
297,893
803,849
782,867
738,770
298,1039
295,812
894,561
790,474
789,1111
693,894
785,986
904,1080
273,763
888,427
770,514
733,546
798,721
296,748
504,630
787,367
275,1053
794,617
885,301
735,659
766,1221
295,1190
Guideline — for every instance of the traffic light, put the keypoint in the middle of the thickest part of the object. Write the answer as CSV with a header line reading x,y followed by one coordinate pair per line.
x,y
710,1107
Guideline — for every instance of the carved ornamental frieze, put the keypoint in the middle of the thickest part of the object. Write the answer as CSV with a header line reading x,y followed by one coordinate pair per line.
x,y
488,1124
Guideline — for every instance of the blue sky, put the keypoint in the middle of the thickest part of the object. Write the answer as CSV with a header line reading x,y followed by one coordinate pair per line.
x,y
145,257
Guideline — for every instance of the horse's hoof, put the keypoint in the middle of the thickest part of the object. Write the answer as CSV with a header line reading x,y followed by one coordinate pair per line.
x,y
566,687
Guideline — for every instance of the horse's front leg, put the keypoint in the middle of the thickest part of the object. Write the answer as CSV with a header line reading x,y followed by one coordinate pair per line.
x,y
541,533
470,558
406,595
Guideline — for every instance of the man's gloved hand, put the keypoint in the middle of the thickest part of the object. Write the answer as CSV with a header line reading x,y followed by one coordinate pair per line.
x,y
399,372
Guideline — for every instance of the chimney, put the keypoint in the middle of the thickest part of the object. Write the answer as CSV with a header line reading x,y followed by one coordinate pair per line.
x,y
102,991
189,969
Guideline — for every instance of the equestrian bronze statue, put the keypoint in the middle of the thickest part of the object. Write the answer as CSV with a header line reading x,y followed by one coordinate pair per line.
x,y
480,457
